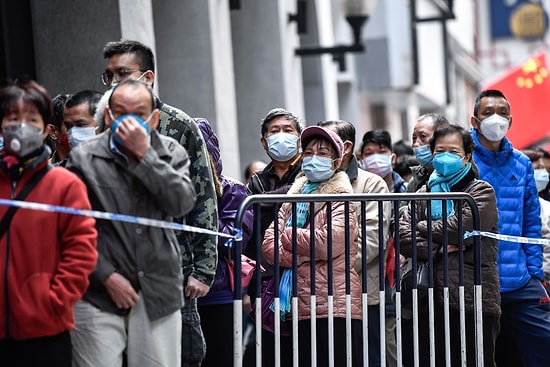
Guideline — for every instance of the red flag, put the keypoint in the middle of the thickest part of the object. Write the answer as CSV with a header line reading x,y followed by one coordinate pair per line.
x,y
527,88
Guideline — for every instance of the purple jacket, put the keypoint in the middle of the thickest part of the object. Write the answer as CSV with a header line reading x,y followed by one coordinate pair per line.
x,y
234,192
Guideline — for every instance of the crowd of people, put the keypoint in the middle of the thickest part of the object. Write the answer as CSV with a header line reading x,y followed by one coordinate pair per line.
x,y
78,291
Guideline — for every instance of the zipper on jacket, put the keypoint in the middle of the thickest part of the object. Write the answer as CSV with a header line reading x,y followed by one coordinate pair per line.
x,y
6,265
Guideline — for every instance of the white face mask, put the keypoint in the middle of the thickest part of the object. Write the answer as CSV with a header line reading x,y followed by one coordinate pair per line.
x,y
79,134
379,164
494,127
541,178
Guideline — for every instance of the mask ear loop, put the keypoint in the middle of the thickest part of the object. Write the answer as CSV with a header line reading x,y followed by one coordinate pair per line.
x,y
111,114
150,116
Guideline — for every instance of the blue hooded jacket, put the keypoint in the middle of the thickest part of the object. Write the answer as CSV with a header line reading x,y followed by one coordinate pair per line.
x,y
510,173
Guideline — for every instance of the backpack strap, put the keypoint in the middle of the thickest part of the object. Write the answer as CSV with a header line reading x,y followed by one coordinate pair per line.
x,y
5,223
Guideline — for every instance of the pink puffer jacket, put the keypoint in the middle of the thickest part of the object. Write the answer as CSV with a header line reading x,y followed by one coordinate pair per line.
x,y
337,184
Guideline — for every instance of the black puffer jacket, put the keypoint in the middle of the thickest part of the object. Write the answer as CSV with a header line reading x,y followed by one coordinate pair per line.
x,y
484,196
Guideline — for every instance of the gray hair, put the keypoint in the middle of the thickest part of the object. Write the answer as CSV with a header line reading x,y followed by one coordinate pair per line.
x,y
99,115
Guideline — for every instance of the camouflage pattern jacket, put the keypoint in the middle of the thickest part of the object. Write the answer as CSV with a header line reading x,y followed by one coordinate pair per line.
x,y
199,252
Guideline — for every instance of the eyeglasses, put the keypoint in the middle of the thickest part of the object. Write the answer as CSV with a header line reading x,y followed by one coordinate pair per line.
x,y
321,152
108,77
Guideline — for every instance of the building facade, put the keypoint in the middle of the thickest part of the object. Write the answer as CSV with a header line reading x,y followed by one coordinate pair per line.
x,y
231,61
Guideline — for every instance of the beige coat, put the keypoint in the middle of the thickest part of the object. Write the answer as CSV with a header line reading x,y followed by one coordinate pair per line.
x,y
370,183
337,184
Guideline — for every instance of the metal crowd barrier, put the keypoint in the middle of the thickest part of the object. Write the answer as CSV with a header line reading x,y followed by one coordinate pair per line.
x,y
461,198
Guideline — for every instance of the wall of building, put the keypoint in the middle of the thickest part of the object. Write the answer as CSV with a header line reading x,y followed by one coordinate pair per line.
x,y
233,66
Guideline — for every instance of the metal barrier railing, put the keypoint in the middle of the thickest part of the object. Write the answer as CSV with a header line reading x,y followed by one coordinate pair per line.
x,y
352,199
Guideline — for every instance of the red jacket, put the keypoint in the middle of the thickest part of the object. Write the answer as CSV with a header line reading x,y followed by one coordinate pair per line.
x,y
45,258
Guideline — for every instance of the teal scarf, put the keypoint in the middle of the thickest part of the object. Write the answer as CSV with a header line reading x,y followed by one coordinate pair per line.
x,y
439,183
302,207
285,284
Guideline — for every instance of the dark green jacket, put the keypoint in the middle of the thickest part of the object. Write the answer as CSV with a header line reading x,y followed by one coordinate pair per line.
x,y
199,251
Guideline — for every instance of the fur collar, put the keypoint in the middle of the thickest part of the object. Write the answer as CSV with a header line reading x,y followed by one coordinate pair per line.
x,y
339,183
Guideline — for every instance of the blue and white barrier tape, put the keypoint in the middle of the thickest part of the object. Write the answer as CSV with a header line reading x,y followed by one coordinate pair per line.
x,y
532,241
115,217
184,227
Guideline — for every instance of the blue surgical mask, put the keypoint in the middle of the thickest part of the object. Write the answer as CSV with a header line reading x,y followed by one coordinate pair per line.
x,y
142,122
424,155
1,142
317,169
541,178
447,164
282,146
80,134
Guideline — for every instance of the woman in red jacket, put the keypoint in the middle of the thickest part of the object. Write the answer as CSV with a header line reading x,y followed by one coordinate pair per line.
x,y
45,257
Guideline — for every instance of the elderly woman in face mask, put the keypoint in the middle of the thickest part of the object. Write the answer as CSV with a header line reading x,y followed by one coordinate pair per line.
x,y
452,148
322,157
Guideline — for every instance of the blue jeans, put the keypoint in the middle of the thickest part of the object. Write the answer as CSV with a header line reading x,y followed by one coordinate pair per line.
x,y
524,327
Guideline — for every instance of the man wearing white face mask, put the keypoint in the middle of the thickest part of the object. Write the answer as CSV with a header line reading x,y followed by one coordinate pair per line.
x,y
79,116
377,157
525,322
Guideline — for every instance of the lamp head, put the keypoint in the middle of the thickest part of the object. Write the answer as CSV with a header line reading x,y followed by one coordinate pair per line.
x,y
355,8
357,12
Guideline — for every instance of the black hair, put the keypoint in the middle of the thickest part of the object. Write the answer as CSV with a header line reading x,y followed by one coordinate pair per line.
x,y
144,55
467,141
377,136
488,93
89,97
29,92
544,152
58,103
344,129
401,147
404,163
533,154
